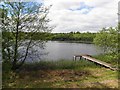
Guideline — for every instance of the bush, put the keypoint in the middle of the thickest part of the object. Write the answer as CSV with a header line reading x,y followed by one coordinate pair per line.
x,y
8,76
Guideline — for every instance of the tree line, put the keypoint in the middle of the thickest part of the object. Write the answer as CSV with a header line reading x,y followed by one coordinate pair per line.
x,y
76,36
73,36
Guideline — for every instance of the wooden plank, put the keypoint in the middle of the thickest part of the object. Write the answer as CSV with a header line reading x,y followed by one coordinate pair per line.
x,y
89,58
98,62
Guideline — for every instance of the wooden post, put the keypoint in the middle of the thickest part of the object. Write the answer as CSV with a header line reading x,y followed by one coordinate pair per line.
x,y
74,58
80,57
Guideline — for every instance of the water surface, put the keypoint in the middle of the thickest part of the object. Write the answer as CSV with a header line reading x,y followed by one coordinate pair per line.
x,y
65,50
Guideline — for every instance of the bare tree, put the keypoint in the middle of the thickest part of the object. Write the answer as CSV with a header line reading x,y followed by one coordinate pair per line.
x,y
24,19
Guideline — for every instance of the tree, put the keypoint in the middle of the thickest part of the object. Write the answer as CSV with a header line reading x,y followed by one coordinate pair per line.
x,y
23,20
107,39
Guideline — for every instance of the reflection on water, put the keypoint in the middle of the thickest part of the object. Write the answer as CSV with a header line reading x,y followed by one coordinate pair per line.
x,y
64,50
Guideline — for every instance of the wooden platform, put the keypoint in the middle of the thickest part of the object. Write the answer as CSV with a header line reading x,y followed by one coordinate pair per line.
x,y
90,58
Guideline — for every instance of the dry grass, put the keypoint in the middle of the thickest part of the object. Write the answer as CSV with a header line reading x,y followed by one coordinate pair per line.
x,y
87,76
101,78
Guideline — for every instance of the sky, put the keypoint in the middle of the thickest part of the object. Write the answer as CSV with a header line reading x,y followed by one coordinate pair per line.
x,y
82,15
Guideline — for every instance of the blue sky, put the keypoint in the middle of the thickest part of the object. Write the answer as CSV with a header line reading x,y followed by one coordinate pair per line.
x,y
83,6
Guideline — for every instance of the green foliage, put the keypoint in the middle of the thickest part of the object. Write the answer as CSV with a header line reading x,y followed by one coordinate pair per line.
x,y
7,74
109,58
108,40
83,37
61,64
20,27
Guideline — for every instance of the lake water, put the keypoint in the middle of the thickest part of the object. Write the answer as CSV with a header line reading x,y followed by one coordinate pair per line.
x,y
58,50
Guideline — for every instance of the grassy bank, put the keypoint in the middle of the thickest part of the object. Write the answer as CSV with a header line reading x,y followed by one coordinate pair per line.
x,y
109,58
62,74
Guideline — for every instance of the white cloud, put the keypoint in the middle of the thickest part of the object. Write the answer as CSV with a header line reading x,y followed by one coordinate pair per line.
x,y
69,15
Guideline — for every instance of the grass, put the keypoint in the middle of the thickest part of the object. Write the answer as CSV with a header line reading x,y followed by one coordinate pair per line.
x,y
59,65
63,74
109,58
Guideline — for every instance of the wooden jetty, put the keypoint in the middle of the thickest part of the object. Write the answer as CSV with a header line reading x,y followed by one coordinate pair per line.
x,y
90,58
